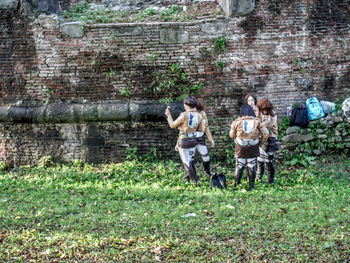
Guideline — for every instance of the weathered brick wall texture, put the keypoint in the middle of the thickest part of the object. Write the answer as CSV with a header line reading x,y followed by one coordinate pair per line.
x,y
285,50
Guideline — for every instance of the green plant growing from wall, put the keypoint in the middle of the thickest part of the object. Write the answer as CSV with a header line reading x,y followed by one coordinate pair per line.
x,y
153,57
126,91
148,12
82,11
298,63
338,103
169,14
110,74
47,93
219,47
220,64
175,82
220,44
165,100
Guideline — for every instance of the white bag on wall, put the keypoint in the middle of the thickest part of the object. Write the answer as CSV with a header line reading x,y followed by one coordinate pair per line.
x,y
327,106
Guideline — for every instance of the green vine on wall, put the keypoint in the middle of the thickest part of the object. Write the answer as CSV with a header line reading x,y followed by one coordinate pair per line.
x,y
175,83
219,47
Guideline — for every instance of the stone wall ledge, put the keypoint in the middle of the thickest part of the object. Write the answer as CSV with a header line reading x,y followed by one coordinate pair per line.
x,y
89,112
336,129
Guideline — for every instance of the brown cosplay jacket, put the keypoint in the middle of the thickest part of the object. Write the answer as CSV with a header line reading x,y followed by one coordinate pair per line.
x,y
248,128
188,122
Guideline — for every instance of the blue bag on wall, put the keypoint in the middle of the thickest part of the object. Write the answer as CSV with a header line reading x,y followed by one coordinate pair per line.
x,y
314,109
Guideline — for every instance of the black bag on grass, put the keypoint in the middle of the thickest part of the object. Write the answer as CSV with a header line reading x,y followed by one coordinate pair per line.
x,y
218,180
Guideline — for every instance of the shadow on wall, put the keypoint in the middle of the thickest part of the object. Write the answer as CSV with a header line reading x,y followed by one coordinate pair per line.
x,y
19,53
328,15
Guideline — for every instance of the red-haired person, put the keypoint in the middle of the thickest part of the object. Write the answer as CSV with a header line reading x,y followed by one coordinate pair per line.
x,y
248,132
267,151
251,100
201,146
188,123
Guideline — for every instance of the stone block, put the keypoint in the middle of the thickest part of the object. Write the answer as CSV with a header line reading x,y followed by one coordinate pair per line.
x,y
296,138
214,28
85,112
9,4
338,139
237,7
35,8
292,129
174,36
338,119
317,152
118,111
126,31
73,29
4,113
58,113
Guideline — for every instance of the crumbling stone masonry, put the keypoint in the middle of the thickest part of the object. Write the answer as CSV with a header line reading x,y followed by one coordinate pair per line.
x,y
286,50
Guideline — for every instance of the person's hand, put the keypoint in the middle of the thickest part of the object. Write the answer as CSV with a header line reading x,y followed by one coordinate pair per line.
x,y
212,144
176,148
167,112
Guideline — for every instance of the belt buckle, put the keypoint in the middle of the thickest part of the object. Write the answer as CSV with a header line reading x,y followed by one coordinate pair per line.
x,y
191,135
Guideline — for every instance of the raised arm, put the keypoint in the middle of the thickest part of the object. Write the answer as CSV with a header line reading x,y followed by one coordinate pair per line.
x,y
173,124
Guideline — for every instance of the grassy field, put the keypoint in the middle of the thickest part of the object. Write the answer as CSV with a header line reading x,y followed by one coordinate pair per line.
x,y
141,211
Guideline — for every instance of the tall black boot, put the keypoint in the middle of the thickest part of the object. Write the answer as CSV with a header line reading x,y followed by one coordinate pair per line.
x,y
270,167
206,166
260,171
187,174
251,176
238,175
193,174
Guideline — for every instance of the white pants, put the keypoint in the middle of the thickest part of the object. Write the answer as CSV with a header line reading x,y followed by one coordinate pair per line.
x,y
187,155
242,162
265,157
203,150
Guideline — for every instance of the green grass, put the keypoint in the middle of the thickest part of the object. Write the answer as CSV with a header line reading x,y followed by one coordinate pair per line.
x,y
135,212
83,12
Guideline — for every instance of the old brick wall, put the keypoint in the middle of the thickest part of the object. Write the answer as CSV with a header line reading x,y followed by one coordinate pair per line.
x,y
285,50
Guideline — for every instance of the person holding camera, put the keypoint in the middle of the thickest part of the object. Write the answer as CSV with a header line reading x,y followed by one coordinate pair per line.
x,y
188,123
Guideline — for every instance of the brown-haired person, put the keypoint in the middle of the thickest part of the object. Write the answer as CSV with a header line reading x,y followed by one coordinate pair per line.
x,y
247,131
201,146
267,151
188,123
251,100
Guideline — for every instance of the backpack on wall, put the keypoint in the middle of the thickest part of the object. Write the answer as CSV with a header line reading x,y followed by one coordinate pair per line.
x,y
327,106
346,108
314,109
299,116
